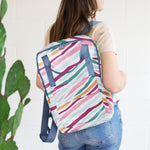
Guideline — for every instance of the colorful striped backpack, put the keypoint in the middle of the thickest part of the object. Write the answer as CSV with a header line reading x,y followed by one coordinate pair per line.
x,y
75,97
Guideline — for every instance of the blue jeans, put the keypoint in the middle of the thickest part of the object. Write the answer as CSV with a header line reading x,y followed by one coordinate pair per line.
x,y
106,136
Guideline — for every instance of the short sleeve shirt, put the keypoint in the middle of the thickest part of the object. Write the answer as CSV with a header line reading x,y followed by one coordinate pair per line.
x,y
103,36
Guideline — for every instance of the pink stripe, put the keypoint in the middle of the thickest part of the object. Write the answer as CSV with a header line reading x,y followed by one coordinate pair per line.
x,y
77,86
58,87
73,51
43,73
54,93
107,110
111,106
110,99
98,75
84,114
53,108
95,88
70,105
47,85
106,103
95,58
78,105
63,52
77,128
41,68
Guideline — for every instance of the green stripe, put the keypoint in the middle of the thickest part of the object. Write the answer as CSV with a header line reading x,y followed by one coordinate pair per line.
x,y
101,91
89,116
86,85
49,93
95,62
70,79
95,116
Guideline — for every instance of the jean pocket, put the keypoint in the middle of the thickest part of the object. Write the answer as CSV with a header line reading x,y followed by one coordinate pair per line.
x,y
99,134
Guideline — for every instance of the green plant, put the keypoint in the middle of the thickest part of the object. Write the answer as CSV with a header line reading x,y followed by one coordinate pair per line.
x,y
16,80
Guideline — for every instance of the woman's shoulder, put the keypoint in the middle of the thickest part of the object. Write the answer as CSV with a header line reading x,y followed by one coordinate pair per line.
x,y
101,31
103,36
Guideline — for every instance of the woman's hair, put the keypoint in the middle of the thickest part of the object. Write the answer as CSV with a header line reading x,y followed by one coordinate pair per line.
x,y
72,17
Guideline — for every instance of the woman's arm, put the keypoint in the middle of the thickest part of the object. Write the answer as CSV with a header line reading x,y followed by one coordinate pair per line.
x,y
114,80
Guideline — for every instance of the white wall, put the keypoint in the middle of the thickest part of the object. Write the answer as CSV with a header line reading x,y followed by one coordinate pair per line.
x,y
26,22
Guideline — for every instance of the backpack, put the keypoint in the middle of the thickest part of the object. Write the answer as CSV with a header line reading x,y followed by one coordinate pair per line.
x,y
74,97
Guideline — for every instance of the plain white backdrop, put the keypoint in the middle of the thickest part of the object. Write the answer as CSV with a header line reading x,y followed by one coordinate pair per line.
x,y
26,23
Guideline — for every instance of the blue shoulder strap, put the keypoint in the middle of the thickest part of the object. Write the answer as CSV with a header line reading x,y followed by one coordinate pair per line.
x,y
86,28
49,134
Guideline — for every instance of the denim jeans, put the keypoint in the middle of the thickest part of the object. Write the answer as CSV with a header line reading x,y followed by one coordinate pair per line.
x,y
106,136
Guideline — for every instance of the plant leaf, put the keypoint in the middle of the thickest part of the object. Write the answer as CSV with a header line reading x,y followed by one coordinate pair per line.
x,y
3,8
2,71
11,122
27,101
2,37
15,73
4,109
5,128
24,87
8,145
17,118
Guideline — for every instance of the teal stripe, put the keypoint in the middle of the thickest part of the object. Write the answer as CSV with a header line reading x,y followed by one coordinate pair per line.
x,y
86,85
95,62
49,92
70,79
62,79
88,116
101,91
97,114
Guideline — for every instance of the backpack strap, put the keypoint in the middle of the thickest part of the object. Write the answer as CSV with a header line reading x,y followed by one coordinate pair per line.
x,y
49,134
92,23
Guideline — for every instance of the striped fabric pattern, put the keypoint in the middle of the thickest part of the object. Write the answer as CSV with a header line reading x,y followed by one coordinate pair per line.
x,y
78,100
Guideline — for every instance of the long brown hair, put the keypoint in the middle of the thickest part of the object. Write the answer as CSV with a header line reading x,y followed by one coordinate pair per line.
x,y
71,18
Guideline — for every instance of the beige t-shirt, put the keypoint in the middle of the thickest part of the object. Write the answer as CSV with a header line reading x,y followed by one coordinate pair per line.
x,y
103,36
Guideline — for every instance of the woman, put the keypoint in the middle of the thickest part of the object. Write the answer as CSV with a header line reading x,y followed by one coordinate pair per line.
x,y
73,16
